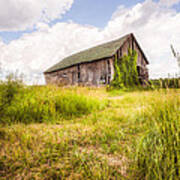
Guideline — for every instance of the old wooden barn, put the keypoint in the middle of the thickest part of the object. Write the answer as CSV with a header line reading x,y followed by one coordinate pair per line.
x,y
95,66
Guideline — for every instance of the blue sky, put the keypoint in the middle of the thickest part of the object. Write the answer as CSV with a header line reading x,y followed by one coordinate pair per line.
x,y
96,13
36,34
91,12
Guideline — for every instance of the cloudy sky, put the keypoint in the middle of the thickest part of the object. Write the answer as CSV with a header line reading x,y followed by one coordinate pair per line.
x,y
36,34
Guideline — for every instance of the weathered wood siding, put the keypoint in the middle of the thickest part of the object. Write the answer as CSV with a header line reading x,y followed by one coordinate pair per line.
x,y
88,74
100,71
63,77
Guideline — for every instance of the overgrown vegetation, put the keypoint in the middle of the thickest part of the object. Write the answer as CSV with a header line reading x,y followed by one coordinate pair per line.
x,y
135,137
126,74
158,151
22,104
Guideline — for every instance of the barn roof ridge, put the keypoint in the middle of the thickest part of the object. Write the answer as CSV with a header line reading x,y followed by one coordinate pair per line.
x,y
101,51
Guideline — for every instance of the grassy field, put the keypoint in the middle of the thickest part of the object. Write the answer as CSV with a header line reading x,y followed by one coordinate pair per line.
x,y
89,133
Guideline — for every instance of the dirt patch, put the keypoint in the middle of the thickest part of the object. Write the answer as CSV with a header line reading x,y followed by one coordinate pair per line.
x,y
120,162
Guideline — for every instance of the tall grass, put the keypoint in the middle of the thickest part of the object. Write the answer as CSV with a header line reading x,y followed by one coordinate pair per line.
x,y
22,104
158,151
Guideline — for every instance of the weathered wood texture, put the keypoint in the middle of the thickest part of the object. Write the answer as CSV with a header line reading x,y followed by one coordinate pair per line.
x,y
98,72
94,73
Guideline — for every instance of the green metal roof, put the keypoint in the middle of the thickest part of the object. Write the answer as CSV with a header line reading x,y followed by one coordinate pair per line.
x,y
89,55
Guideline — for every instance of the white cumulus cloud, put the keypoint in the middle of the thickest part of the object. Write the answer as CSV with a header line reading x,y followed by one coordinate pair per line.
x,y
18,15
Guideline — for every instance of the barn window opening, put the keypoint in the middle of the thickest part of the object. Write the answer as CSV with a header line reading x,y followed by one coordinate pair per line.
x,y
120,52
103,79
64,75
132,45
73,77
109,72
139,70
79,73
129,44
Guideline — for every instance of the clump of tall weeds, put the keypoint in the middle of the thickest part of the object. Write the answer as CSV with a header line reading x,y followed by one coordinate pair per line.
x,y
30,104
8,90
158,152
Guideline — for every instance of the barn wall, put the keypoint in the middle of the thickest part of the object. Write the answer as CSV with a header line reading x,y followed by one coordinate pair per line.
x,y
64,77
112,68
94,73
142,64
98,72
